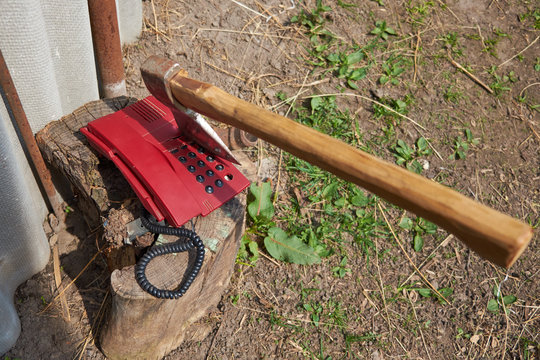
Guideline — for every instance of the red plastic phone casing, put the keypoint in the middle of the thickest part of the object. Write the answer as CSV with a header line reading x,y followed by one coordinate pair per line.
x,y
174,178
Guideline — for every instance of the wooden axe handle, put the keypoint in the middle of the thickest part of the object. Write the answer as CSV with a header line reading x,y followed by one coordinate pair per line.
x,y
495,236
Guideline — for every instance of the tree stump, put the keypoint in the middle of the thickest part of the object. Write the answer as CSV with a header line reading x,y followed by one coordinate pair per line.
x,y
141,326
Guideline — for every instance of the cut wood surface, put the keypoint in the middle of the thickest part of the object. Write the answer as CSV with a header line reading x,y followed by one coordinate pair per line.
x,y
493,235
67,151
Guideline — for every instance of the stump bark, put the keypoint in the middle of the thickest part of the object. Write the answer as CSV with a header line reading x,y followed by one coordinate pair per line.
x,y
140,326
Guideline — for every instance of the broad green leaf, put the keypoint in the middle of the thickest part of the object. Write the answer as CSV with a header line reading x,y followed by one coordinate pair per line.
x,y
316,103
446,292
509,299
289,248
355,57
333,58
418,243
261,208
384,79
358,74
390,31
359,200
330,190
424,292
415,167
352,85
427,226
406,223
493,306
341,202
254,248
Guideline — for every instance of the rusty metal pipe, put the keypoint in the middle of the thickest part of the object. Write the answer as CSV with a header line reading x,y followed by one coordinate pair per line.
x,y
107,47
14,102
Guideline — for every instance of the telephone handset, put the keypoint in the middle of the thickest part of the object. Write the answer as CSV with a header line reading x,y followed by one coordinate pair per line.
x,y
174,177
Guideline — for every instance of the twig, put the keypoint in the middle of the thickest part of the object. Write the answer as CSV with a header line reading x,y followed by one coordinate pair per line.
x,y
269,259
156,31
519,53
429,257
243,32
224,71
408,257
58,282
71,283
382,285
419,327
276,195
416,56
448,8
471,76
250,9
97,321
211,348
155,19
526,87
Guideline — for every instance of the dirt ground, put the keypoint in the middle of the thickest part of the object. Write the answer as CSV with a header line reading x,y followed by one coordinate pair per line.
x,y
375,310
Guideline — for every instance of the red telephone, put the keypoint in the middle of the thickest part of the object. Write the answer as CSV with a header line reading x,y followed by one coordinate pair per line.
x,y
174,177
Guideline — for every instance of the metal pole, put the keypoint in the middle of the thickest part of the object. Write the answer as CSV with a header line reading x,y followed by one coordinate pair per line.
x,y
107,47
14,102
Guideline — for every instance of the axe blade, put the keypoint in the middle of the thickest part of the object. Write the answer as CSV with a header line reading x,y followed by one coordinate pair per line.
x,y
156,73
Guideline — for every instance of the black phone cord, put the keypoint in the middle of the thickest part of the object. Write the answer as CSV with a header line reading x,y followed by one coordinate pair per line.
x,y
191,241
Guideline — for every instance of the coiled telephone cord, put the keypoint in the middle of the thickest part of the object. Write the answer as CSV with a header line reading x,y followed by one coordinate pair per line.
x,y
190,241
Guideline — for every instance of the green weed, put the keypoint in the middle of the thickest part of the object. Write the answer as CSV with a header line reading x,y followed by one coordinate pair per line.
x,y
495,304
382,30
419,227
392,69
461,145
341,270
405,155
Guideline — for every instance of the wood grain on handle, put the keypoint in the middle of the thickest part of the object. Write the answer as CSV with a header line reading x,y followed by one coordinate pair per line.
x,y
493,235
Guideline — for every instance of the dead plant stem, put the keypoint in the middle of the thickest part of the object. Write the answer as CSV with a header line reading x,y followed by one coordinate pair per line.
x,y
409,258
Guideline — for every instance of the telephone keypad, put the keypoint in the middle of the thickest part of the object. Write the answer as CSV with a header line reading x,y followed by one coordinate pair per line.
x,y
194,164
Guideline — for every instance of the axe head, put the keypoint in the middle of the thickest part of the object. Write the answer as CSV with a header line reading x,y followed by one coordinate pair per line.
x,y
157,73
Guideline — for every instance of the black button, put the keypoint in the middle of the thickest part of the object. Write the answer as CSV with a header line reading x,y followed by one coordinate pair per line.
x,y
210,158
200,178
219,183
200,163
182,159
174,151
191,168
219,167
200,150
209,173
183,147
191,154
209,189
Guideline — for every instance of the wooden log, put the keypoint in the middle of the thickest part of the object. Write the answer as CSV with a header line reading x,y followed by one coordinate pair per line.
x,y
140,326
95,182
143,327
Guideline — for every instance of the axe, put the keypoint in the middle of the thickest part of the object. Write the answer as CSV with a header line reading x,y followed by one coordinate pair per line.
x,y
495,236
